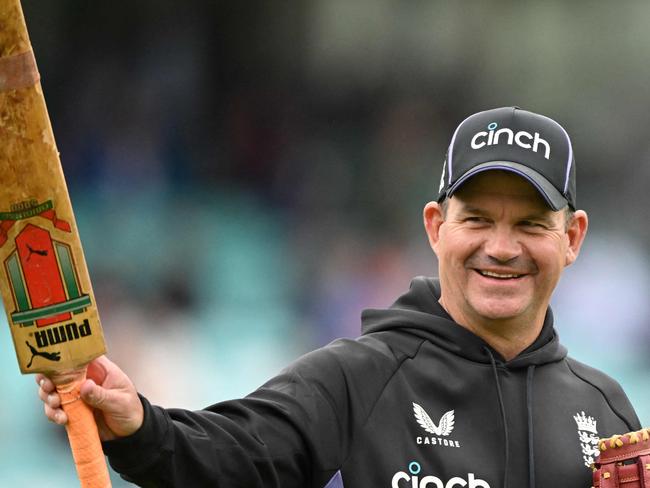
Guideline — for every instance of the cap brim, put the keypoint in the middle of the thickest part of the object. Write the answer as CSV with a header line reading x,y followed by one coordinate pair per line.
x,y
550,194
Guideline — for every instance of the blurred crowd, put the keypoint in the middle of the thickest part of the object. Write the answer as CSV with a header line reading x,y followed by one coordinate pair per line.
x,y
248,176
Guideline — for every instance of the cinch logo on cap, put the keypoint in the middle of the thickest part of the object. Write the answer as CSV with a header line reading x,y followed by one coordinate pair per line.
x,y
522,139
511,139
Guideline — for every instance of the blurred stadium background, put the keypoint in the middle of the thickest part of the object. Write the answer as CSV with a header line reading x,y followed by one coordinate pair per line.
x,y
248,176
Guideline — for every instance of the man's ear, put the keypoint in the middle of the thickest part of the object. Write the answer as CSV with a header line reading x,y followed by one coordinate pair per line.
x,y
433,219
576,231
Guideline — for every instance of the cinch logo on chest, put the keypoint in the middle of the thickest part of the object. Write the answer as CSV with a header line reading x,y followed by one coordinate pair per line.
x,y
402,479
523,139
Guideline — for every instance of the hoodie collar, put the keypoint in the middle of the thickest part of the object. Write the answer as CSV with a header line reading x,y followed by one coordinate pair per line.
x,y
418,312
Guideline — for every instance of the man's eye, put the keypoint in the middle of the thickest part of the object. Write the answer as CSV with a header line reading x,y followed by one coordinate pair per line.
x,y
475,219
529,223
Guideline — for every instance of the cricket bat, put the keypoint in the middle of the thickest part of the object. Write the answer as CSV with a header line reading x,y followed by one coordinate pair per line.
x,y
44,281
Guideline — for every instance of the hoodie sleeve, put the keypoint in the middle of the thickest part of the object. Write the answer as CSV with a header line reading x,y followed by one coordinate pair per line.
x,y
291,432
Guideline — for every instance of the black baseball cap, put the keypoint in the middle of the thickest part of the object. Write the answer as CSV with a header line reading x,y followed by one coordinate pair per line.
x,y
511,139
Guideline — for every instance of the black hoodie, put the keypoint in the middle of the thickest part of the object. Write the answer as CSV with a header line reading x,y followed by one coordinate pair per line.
x,y
416,402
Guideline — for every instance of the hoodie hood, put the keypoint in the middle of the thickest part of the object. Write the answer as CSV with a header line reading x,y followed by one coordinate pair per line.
x,y
418,312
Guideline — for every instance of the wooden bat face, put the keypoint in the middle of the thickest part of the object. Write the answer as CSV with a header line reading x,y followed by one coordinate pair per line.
x,y
44,281
45,288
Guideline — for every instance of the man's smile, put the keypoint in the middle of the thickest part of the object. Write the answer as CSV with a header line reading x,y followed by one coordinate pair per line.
x,y
498,275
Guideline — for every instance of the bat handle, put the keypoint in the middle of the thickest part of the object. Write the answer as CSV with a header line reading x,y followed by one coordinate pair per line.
x,y
82,432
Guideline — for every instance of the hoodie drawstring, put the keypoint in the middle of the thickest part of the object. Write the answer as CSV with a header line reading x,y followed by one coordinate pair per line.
x,y
529,406
530,372
503,418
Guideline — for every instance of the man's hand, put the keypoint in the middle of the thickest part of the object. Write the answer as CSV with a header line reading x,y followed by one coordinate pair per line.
x,y
118,410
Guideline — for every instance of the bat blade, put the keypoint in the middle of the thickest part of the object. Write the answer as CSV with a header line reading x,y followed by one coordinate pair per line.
x,y
44,282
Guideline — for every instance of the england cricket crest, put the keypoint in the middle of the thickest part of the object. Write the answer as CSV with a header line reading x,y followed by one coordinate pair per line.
x,y
588,437
53,305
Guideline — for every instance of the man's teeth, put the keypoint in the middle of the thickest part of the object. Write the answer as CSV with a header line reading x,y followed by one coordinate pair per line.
x,y
502,276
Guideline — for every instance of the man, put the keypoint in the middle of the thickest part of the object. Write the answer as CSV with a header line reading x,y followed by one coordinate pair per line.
x,y
462,382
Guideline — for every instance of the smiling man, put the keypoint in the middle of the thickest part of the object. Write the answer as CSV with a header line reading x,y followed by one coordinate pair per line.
x,y
462,382
506,225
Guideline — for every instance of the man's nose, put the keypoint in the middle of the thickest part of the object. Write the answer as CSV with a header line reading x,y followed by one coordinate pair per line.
x,y
502,244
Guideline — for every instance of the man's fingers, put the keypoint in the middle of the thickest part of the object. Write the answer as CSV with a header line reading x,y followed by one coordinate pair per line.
x,y
55,415
45,383
43,395
53,400
47,392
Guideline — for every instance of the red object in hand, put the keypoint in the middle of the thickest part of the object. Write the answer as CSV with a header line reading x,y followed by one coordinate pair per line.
x,y
624,461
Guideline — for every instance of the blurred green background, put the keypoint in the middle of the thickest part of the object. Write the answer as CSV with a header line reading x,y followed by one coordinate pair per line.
x,y
248,176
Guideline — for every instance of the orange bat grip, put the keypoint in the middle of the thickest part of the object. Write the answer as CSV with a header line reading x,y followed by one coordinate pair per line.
x,y
83,436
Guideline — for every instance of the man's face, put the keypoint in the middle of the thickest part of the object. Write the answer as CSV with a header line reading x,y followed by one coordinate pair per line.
x,y
501,249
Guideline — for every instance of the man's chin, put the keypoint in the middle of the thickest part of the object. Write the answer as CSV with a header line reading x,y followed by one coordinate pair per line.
x,y
500,310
